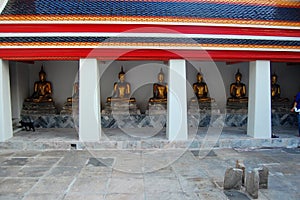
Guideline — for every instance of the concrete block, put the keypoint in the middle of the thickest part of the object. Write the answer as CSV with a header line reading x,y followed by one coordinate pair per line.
x,y
233,179
252,183
263,177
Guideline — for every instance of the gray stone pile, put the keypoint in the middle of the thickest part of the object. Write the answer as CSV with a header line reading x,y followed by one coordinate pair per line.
x,y
252,180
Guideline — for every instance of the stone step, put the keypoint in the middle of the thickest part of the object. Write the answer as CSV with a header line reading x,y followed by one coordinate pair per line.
x,y
52,144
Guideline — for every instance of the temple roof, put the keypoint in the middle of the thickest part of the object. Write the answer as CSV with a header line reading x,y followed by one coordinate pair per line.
x,y
275,12
150,29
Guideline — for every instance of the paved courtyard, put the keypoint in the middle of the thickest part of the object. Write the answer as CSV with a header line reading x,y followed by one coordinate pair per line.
x,y
142,174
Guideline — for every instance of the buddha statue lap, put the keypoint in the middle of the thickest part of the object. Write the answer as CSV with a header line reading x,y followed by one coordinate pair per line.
x,y
75,96
238,90
121,91
160,90
71,104
42,90
201,90
275,90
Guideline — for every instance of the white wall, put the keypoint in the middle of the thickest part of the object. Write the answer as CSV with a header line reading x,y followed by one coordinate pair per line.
x,y
19,81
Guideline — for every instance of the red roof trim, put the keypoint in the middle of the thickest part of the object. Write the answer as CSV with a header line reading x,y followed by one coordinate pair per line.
x,y
145,54
139,28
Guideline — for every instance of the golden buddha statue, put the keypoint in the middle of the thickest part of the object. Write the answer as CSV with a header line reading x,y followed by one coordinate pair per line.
x,y
275,90
201,89
42,89
238,90
75,96
122,90
160,90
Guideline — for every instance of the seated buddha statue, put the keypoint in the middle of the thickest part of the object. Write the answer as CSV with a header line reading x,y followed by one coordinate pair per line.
x,y
160,90
238,90
42,89
275,90
75,95
201,89
122,90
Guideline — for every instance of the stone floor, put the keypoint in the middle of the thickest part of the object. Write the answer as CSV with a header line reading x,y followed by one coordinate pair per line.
x,y
142,174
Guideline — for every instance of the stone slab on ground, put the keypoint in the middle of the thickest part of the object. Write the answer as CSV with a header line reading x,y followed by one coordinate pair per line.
x,y
252,183
233,179
263,177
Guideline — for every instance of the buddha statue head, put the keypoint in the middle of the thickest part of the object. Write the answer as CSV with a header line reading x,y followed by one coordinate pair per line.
x,y
121,75
161,76
274,78
42,74
199,77
238,76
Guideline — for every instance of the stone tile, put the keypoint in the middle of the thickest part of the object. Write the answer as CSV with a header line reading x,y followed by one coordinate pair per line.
x,y
126,185
190,171
11,196
52,185
100,162
236,195
279,194
96,185
93,172
161,184
33,171
165,196
120,174
9,171
25,154
16,185
42,161
138,196
15,162
73,160
54,153
6,153
163,172
34,196
75,196
212,194
64,171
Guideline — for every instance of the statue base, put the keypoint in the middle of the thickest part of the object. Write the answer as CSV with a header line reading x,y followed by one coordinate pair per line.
x,y
198,107
237,104
120,108
281,107
69,107
157,108
41,108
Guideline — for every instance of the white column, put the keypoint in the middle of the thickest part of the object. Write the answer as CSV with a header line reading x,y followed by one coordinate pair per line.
x,y
89,101
177,101
259,106
6,130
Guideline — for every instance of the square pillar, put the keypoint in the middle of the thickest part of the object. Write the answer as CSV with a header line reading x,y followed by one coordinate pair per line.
x,y
177,101
89,101
6,130
259,105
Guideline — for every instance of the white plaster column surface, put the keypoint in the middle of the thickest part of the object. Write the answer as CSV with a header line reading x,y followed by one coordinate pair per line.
x,y
259,105
89,101
6,130
177,101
